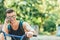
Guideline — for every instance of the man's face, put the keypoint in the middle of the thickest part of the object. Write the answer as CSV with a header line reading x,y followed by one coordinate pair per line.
x,y
11,17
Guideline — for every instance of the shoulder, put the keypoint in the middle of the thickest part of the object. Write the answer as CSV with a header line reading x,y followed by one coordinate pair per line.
x,y
9,27
25,23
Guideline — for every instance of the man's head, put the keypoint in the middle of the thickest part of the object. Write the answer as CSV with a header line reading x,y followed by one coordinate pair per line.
x,y
11,15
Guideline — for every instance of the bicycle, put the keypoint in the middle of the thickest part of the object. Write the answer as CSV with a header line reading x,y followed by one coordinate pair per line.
x,y
21,37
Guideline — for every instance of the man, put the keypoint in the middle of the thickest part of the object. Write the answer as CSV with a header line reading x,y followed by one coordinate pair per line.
x,y
12,26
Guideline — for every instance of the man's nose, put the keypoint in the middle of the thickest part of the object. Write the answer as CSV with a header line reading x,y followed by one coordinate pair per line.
x,y
11,18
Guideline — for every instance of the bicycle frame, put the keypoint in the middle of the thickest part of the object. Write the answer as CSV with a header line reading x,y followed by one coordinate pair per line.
x,y
21,37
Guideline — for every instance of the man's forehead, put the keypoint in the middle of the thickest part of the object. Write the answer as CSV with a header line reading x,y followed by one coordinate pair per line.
x,y
11,14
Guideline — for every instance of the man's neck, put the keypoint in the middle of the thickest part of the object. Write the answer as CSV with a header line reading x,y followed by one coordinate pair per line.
x,y
15,25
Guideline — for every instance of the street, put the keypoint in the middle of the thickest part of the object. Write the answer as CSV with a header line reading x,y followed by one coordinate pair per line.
x,y
42,37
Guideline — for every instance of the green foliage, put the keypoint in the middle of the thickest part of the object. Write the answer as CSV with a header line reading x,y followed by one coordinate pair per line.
x,y
34,11
49,26
2,11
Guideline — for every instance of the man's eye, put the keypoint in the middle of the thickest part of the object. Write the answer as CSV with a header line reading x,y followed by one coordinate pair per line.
x,y
13,16
7,17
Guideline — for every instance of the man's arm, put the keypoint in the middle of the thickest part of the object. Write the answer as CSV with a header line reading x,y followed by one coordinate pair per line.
x,y
5,29
28,29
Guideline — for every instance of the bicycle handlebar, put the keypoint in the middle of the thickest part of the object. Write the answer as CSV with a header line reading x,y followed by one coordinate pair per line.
x,y
15,35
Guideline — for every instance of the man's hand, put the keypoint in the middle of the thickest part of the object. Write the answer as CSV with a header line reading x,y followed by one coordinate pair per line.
x,y
6,21
29,34
1,37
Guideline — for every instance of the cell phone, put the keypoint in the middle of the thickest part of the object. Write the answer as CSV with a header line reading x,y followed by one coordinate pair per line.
x,y
8,20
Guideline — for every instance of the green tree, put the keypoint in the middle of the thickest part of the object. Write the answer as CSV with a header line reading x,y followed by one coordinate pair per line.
x,y
2,11
40,12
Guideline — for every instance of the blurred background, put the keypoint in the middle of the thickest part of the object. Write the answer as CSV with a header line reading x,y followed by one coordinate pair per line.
x,y
42,15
